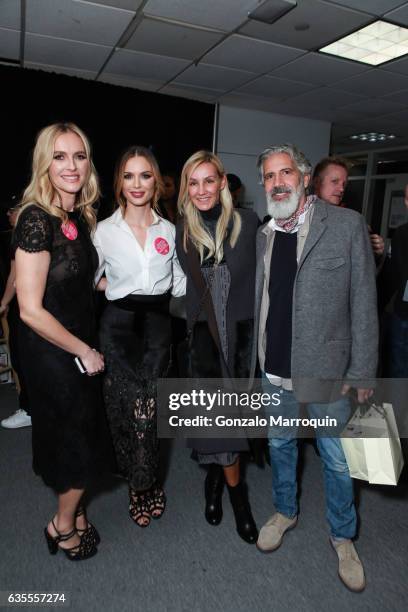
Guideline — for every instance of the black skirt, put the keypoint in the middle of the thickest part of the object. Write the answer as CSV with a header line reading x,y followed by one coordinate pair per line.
x,y
135,336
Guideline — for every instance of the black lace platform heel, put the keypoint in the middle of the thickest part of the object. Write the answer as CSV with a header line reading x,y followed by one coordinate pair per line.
x,y
139,508
157,502
90,532
83,550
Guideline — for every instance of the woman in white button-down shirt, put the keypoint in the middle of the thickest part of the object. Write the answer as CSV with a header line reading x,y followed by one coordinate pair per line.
x,y
136,249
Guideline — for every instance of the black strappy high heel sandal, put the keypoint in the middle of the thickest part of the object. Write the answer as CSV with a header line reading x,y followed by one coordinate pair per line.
x,y
90,532
157,502
139,508
84,550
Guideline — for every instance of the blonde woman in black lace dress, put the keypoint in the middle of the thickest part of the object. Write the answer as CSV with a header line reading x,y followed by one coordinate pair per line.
x,y
55,265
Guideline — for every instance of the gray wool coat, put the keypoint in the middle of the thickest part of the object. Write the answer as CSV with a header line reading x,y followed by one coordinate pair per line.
x,y
334,316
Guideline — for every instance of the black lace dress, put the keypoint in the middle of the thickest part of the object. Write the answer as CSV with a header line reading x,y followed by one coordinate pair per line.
x,y
135,337
71,442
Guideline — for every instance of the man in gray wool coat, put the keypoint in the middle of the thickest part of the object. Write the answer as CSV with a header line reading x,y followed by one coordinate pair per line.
x,y
316,323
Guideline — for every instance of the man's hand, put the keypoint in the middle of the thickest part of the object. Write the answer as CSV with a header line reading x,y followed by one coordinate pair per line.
x,y
377,243
363,395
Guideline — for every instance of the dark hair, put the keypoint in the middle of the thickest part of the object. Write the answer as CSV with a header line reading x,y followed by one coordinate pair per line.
x,y
234,182
136,151
332,160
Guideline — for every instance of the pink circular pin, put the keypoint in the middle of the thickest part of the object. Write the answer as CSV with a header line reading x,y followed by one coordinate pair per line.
x,y
69,230
162,246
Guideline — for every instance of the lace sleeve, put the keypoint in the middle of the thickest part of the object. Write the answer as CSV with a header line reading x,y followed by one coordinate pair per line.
x,y
33,232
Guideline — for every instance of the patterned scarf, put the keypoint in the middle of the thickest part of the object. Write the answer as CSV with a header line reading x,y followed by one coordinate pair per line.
x,y
288,225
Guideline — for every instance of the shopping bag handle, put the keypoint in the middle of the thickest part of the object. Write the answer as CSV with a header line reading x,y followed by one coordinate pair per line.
x,y
366,406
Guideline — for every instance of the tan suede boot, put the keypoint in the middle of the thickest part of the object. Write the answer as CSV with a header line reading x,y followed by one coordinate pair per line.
x,y
351,570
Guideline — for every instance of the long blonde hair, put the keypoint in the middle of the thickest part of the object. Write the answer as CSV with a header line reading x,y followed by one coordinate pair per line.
x,y
42,192
194,228
136,151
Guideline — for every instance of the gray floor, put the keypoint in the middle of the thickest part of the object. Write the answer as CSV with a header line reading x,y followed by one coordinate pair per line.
x,y
181,563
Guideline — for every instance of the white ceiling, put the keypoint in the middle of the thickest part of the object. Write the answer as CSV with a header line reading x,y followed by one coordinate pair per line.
x,y
209,50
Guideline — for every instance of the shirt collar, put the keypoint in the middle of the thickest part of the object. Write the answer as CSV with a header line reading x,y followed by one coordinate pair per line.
x,y
272,225
117,218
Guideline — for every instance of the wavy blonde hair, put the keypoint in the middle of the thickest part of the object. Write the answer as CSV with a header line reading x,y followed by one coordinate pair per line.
x,y
194,228
42,192
136,151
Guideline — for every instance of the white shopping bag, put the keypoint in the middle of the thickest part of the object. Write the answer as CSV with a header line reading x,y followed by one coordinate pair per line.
x,y
372,445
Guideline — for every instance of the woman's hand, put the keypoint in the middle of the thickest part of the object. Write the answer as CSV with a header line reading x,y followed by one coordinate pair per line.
x,y
93,362
3,309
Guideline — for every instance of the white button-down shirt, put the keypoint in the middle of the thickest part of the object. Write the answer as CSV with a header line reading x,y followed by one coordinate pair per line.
x,y
129,268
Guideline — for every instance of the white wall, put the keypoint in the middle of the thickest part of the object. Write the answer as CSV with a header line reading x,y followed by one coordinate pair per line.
x,y
243,134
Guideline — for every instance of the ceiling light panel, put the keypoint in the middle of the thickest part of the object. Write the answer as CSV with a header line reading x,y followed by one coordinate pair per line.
x,y
375,44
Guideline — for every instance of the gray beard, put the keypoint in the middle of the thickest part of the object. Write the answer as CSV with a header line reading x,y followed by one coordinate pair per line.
x,y
285,208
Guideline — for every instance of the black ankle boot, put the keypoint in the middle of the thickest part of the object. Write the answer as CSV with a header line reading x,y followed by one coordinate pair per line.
x,y
213,488
242,510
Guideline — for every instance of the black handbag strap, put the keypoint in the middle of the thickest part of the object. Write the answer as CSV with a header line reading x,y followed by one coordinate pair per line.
x,y
206,302
203,298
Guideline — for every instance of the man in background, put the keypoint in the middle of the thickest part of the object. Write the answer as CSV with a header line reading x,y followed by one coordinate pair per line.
x,y
330,178
235,187
9,308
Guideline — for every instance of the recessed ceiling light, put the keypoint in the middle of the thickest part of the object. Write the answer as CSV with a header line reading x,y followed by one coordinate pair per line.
x,y
375,44
372,137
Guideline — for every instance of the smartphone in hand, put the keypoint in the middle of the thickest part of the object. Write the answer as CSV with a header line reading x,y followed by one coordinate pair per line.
x,y
80,365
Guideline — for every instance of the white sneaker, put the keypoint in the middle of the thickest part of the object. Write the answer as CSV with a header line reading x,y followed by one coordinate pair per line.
x,y
19,419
